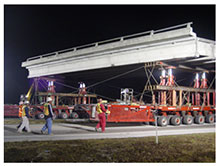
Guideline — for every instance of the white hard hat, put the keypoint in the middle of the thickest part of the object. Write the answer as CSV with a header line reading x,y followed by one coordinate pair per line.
x,y
49,99
26,102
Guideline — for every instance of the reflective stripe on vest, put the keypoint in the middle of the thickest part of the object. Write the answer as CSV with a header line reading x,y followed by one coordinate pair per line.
x,y
46,110
23,110
20,110
98,108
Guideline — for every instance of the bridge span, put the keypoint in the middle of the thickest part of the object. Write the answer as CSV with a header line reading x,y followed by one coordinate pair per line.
x,y
177,44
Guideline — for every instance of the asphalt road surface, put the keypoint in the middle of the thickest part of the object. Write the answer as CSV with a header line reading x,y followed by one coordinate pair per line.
x,y
76,131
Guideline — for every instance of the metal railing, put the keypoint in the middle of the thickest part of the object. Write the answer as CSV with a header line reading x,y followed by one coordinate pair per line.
x,y
152,32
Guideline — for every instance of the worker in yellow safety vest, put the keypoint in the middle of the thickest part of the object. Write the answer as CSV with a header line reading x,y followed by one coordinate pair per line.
x,y
100,108
25,115
48,113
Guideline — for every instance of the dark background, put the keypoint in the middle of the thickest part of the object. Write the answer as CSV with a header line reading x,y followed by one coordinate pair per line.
x,y
37,29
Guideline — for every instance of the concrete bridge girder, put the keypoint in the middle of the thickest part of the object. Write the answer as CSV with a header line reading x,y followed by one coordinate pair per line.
x,y
175,44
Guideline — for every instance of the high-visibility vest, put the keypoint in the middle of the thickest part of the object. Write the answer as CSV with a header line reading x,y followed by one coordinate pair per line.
x,y
46,110
23,111
20,110
98,108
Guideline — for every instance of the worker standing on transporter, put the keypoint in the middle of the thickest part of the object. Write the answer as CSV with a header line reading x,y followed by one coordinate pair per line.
x,y
48,113
25,115
100,108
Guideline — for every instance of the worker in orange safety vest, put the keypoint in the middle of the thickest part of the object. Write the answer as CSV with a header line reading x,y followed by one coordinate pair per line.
x,y
20,109
25,115
100,108
21,104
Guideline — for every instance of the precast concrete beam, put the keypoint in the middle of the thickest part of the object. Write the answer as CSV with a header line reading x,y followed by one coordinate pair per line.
x,y
160,45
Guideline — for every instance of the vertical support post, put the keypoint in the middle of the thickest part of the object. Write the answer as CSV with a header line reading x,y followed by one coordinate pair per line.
x,y
188,98
174,98
88,100
204,98
57,101
197,98
79,100
159,102
75,100
84,99
193,101
164,98
170,94
153,99
214,98
181,97
208,98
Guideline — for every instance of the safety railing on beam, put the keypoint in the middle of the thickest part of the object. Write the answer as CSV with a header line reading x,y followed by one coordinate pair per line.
x,y
152,32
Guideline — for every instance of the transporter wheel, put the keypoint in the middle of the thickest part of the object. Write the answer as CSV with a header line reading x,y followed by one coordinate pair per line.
x,y
210,118
162,121
169,119
40,115
176,120
188,119
63,115
199,119
74,115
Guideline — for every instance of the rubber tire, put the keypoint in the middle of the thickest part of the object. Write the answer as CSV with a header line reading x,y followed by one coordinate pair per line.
x,y
162,121
210,118
188,119
169,119
74,115
40,115
176,120
200,119
63,115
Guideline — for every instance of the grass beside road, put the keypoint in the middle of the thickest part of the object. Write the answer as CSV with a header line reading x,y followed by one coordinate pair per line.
x,y
182,148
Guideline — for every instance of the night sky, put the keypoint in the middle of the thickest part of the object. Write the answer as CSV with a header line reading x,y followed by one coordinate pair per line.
x,y
34,30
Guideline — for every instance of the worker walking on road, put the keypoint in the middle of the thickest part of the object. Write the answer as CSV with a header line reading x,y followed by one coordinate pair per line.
x,y
48,113
100,108
25,115
21,104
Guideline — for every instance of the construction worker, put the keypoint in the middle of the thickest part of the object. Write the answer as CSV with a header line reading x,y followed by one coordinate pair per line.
x,y
100,108
21,104
48,113
25,115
